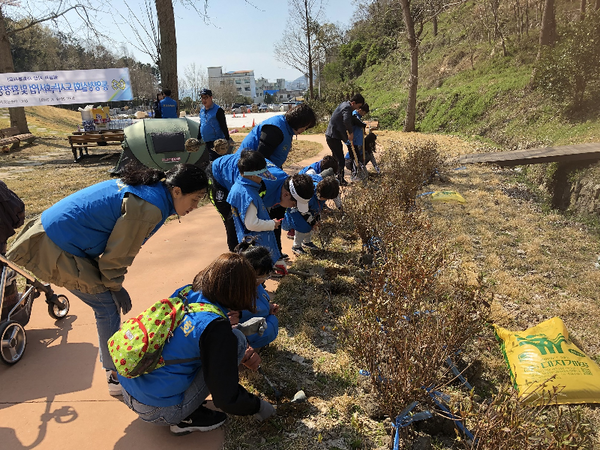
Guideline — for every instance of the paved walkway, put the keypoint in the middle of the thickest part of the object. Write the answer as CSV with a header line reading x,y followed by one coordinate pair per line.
x,y
244,120
56,397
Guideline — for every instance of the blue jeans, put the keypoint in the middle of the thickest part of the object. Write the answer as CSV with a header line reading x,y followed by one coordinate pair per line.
x,y
108,321
193,397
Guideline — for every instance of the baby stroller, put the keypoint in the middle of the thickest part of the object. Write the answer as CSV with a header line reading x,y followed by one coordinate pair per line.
x,y
15,308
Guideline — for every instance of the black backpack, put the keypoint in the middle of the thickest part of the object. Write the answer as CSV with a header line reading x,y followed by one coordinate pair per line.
x,y
12,212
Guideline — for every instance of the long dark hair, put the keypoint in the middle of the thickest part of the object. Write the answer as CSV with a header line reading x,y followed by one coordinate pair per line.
x,y
188,177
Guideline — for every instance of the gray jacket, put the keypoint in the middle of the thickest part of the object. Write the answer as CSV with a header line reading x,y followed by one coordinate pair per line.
x,y
341,122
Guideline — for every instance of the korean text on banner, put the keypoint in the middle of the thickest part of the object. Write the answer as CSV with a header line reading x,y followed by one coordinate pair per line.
x,y
64,87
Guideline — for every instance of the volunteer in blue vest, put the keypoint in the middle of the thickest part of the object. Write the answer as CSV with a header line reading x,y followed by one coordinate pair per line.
x,y
273,137
168,106
86,241
213,124
285,191
174,394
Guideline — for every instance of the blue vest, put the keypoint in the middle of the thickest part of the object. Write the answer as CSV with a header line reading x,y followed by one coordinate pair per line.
x,y
357,132
225,172
293,219
165,386
281,152
168,108
209,125
316,166
263,309
81,223
242,193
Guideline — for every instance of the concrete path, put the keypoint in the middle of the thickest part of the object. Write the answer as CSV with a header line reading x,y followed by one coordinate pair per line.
x,y
244,120
56,396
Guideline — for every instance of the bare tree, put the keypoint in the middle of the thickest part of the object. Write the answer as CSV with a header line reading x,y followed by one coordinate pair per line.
x,y
416,13
31,15
224,93
296,46
195,79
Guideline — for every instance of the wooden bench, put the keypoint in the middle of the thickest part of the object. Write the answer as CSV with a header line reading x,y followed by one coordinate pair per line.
x,y
13,138
83,139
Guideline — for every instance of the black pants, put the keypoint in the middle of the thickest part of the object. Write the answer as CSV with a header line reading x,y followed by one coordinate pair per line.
x,y
337,150
218,197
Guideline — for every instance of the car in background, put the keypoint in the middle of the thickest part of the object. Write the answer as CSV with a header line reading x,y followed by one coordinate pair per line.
x,y
263,108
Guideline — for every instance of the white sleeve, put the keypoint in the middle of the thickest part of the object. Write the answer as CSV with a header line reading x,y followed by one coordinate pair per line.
x,y
253,223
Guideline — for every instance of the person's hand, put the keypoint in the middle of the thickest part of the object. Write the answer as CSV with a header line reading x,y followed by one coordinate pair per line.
x,y
122,300
273,308
251,359
277,223
253,326
234,317
266,410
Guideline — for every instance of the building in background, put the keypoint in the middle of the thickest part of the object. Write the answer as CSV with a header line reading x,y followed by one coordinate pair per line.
x,y
242,80
264,86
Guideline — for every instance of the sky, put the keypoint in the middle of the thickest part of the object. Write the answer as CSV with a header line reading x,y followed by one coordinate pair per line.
x,y
239,35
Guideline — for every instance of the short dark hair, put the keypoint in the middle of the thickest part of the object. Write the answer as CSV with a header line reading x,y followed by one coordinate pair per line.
x,y
301,116
250,161
357,98
328,187
302,183
329,162
258,256
167,92
229,281
365,107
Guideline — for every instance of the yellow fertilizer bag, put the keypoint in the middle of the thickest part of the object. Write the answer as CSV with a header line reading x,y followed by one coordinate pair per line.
x,y
447,196
538,353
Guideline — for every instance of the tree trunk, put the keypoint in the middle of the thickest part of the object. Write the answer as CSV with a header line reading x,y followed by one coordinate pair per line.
x,y
582,13
435,25
17,115
308,42
168,47
411,106
548,31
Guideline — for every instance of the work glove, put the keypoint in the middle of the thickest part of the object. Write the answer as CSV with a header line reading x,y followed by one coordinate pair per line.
x,y
253,326
280,268
266,410
327,173
122,300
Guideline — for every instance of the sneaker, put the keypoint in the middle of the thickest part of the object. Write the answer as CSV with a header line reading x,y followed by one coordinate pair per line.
x,y
298,250
114,387
285,256
291,234
310,246
203,419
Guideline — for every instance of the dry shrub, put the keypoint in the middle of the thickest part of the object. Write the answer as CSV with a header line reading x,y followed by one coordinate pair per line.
x,y
507,422
412,314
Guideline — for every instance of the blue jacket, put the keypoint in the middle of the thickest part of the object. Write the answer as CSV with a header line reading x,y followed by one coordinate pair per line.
x,y
263,309
209,126
281,152
81,223
225,172
357,131
168,108
165,386
316,166
294,220
242,193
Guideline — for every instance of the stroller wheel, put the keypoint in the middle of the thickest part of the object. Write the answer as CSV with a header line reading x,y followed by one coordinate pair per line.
x,y
59,309
12,342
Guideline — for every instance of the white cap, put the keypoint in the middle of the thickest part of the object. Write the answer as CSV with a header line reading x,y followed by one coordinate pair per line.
x,y
301,203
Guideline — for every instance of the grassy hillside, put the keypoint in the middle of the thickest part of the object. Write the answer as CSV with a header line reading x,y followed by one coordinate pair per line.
x,y
474,91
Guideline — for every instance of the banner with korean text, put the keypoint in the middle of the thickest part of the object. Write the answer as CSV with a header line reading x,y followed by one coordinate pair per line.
x,y
61,87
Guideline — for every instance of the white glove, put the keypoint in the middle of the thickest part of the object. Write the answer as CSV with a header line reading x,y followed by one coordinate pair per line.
x,y
266,410
253,326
